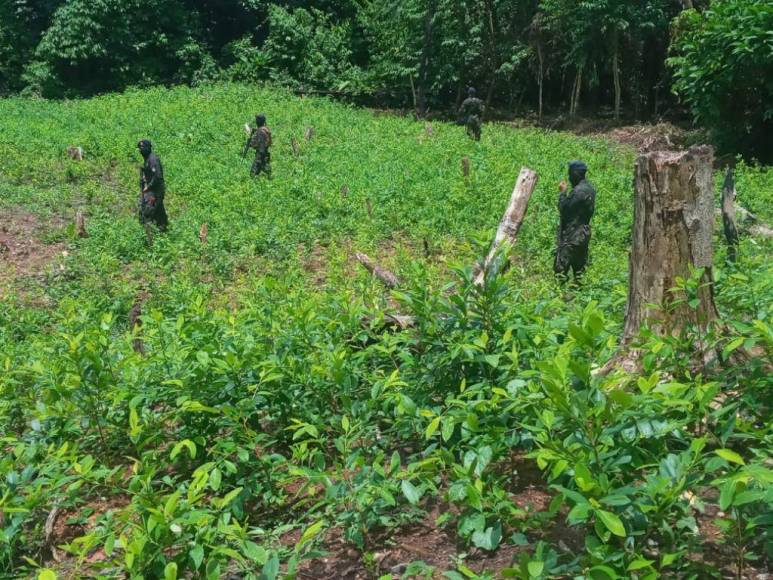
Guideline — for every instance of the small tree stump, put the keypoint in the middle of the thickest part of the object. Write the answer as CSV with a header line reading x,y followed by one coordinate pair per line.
x,y
728,215
75,153
466,167
672,234
203,233
369,207
80,225
430,131
295,147
135,324
309,134
344,191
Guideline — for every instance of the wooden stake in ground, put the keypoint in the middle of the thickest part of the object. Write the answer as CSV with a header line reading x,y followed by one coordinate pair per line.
x,y
369,207
672,234
203,233
80,225
309,134
387,277
295,147
728,215
511,222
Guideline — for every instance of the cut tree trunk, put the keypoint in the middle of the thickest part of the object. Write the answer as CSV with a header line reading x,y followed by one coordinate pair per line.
x,y
510,224
672,234
728,215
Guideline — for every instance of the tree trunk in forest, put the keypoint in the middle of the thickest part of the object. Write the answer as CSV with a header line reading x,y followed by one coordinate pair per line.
x,y
540,80
421,96
575,98
616,71
672,234
510,224
728,215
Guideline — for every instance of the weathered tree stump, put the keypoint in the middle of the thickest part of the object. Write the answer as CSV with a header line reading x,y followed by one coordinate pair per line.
x,y
75,153
511,222
309,134
80,225
728,215
203,233
672,235
369,207
295,147
344,191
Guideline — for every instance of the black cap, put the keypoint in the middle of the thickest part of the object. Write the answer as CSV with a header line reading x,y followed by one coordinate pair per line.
x,y
577,166
144,144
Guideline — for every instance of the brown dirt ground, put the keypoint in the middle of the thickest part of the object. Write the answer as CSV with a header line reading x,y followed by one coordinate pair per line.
x,y
435,546
67,525
22,252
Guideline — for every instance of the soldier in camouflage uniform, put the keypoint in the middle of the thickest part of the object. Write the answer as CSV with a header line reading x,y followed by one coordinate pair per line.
x,y
152,188
576,208
260,140
471,114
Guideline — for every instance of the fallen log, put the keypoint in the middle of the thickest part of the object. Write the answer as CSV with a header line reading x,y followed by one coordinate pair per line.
x,y
387,278
510,224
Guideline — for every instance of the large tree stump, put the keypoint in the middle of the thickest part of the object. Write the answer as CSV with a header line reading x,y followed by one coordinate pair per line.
x,y
672,234
511,222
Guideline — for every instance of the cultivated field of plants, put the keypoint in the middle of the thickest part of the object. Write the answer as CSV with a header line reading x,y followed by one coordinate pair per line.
x,y
240,406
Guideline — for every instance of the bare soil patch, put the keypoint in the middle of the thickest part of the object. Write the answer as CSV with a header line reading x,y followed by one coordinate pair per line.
x,y
23,253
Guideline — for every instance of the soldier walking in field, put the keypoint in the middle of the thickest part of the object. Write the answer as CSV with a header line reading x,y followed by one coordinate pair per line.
x,y
471,114
152,188
576,208
260,140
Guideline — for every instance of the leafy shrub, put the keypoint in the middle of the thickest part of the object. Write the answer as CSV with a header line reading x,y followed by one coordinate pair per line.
x,y
723,64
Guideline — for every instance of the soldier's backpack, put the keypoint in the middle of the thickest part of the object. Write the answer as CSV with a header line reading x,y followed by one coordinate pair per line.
x,y
260,134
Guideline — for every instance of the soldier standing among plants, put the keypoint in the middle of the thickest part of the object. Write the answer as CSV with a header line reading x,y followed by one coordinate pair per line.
x,y
471,114
152,188
576,208
260,140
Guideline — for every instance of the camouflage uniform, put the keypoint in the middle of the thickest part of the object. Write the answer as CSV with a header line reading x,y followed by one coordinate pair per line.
x,y
471,115
260,140
576,208
152,208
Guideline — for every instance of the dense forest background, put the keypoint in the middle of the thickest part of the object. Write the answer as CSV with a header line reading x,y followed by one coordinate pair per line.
x,y
632,59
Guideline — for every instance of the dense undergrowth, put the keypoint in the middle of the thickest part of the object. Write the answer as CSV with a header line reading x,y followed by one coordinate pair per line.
x,y
270,397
